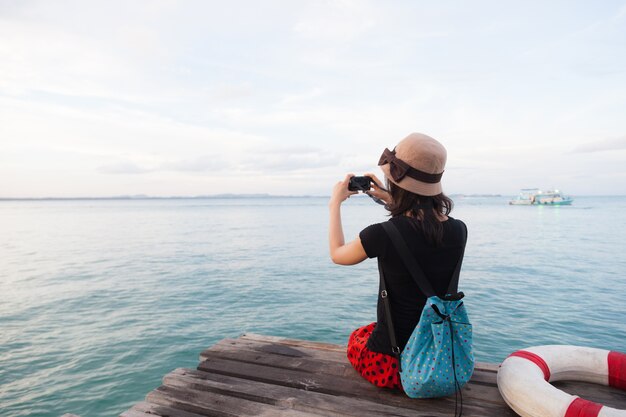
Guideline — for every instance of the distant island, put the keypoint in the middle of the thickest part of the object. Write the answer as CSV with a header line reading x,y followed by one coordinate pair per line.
x,y
202,197
222,196
147,197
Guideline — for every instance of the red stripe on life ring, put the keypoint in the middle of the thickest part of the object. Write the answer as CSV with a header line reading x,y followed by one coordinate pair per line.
x,y
536,359
583,408
617,370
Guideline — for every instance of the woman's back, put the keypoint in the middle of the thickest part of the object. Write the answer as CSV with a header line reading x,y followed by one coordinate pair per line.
x,y
407,301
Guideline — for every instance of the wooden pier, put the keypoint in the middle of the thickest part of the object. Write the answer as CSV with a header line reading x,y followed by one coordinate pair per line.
x,y
256,375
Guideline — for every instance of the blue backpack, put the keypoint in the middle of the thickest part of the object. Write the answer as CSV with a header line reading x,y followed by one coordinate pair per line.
x,y
438,358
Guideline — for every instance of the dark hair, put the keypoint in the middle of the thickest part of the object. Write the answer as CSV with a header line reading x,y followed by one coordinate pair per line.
x,y
423,209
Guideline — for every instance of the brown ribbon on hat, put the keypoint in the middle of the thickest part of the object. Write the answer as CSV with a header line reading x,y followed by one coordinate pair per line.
x,y
400,169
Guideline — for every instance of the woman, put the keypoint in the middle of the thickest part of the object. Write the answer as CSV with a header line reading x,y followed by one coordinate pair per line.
x,y
420,210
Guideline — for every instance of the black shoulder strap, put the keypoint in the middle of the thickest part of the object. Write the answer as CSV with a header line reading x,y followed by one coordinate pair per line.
x,y
409,260
414,268
392,333
454,282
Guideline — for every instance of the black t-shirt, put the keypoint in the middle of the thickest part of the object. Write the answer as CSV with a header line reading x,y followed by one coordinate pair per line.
x,y
406,299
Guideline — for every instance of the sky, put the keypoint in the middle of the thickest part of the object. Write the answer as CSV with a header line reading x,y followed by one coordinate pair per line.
x,y
177,98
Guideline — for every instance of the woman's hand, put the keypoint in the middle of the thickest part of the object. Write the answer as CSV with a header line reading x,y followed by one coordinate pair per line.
x,y
340,252
378,190
341,192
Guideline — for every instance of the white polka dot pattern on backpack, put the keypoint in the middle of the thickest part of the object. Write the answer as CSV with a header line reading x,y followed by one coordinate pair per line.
x,y
438,358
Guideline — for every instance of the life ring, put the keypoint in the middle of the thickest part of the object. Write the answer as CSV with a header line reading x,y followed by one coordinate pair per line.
x,y
523,380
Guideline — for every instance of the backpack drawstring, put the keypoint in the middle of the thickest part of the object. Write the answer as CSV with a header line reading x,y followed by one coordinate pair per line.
x,y
457,393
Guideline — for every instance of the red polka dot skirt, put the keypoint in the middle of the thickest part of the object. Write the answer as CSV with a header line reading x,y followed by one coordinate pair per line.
x,y
378,368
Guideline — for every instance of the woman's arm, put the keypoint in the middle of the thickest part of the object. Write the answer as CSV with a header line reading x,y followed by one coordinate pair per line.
x,y
340,252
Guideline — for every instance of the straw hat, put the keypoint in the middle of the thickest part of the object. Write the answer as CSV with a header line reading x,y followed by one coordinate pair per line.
x,y
416,164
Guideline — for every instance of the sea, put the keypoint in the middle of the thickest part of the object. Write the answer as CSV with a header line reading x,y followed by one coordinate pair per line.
x,y
99,299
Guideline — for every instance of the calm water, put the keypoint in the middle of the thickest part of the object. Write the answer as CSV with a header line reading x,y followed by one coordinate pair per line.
x,y
99,299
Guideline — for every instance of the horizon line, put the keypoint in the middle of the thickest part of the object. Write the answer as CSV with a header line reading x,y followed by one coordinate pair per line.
x,y
240,196
199,197
151,197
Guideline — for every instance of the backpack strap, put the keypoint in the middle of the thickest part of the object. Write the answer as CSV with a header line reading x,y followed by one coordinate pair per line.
x,y
411,263
392,333
408,259
453,288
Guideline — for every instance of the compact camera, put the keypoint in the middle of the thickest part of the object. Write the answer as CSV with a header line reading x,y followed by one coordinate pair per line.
x,y
363,183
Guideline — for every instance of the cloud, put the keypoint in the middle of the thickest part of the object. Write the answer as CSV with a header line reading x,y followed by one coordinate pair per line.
x,y
122,167
602,145
232,92
202,163
336,21
72,65
199,164
258,165
290,159
291,99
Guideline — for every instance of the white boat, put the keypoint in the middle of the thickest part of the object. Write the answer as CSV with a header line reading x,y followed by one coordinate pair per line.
x,y
526,197
536,197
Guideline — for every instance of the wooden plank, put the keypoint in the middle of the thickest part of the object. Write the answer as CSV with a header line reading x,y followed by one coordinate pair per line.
x,y
135,413
217,405
341,349
325,351
287,377
489,367
278,349
333,385
328,405
483,377
344,370
146,409
227,347
294,342
302,399
609,396
305,364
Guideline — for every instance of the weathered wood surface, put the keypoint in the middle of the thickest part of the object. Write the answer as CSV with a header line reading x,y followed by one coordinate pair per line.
x,y
258,375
